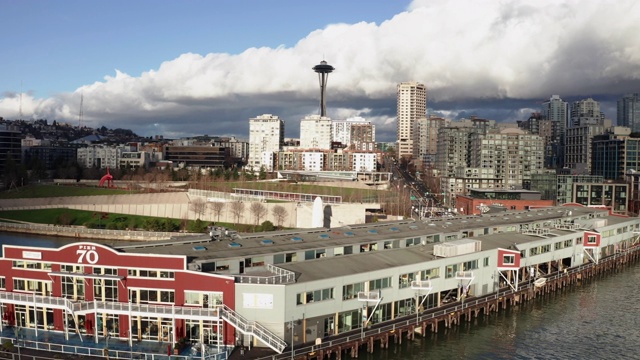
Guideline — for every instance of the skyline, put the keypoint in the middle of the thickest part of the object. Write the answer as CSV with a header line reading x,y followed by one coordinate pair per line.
x,y
191,68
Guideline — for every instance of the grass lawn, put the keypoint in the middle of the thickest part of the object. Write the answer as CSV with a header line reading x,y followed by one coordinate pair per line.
x,y
40,191
92,219
63,216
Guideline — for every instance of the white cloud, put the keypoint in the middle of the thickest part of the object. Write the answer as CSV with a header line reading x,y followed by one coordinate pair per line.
x,y
460,49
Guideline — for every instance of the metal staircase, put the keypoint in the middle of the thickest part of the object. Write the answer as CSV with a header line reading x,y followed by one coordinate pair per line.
x,y
253,328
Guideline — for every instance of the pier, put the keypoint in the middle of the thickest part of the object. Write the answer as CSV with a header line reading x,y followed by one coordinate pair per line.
x,y
408,327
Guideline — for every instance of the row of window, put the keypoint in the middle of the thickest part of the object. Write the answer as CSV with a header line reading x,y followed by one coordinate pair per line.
x,y
35,265
151,274
350,291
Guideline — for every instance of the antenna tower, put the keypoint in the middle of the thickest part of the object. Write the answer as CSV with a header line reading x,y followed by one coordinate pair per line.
x,y
80,113
20,101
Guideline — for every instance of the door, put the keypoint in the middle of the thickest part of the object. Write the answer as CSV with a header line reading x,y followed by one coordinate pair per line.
x,y
166,333
328,326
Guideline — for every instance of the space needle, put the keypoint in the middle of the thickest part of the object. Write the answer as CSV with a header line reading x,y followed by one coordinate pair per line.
x,y
323,69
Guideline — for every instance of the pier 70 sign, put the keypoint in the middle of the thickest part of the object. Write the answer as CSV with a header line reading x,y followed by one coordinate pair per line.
x,y
88,254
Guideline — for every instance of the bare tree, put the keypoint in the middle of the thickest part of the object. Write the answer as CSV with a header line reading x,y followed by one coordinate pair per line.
x,y
198,206
217,208
237,209
258,210
280,214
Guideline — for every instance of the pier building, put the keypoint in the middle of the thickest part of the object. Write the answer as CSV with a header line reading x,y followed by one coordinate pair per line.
x,y
296,287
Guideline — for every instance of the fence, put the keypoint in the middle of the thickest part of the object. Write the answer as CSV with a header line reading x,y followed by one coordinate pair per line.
x,y
82,232
95,352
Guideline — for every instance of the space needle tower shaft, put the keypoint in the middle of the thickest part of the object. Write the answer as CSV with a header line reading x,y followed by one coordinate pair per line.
x,y
323,69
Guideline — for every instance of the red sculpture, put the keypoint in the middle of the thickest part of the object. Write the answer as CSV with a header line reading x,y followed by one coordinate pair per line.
x,y
108,178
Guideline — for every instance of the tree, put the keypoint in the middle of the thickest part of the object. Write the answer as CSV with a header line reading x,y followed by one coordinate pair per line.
x,y
217,208
280,214
267,226
237,209
198,206
258,210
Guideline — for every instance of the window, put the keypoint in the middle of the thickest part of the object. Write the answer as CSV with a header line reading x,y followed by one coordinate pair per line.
x,y
3,284
470,265
451,271
486,262
412,242
314,296
430,274
404,280
380,284
592,239
351,291
143,296
508,259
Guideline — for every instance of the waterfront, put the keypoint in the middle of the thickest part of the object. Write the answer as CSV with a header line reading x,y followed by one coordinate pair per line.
x,y
596,320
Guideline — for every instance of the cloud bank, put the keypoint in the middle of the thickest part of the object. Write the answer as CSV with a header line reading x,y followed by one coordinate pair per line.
x,y
496,59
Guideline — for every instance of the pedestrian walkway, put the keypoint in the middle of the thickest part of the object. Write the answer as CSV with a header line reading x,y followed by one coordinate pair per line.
x,y
55,342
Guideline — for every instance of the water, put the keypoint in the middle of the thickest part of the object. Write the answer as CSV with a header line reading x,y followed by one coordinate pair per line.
x,y
596,320
33,240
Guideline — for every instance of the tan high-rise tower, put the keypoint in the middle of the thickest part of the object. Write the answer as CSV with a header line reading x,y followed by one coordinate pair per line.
x,y
412,105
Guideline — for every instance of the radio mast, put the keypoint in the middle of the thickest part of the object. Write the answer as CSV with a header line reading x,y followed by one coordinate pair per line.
x,y
80,113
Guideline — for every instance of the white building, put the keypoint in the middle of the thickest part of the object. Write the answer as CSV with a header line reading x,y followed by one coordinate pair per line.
x,y
354,132
412,105
364,161
315,132
313,161
266,136
101,156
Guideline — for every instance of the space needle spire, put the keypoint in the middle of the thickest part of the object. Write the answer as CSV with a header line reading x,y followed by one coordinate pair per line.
x,y
323,69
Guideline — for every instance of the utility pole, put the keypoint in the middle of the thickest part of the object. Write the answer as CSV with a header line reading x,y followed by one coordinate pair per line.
x,y
292,332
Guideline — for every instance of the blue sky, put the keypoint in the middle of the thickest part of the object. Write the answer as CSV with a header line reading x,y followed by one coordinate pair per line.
x,y
182,68
58,46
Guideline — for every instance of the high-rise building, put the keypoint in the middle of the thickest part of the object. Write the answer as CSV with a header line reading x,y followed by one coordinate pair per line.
x,y
315,132
577,148
412,105
629,112
557,111
10,146
615,153
266,137
428,139
354,133
585,112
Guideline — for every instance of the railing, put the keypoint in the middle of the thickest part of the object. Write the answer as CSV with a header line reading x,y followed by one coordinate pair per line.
x,y
94,351
281,276
253,328
85,232
408,320
30,299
